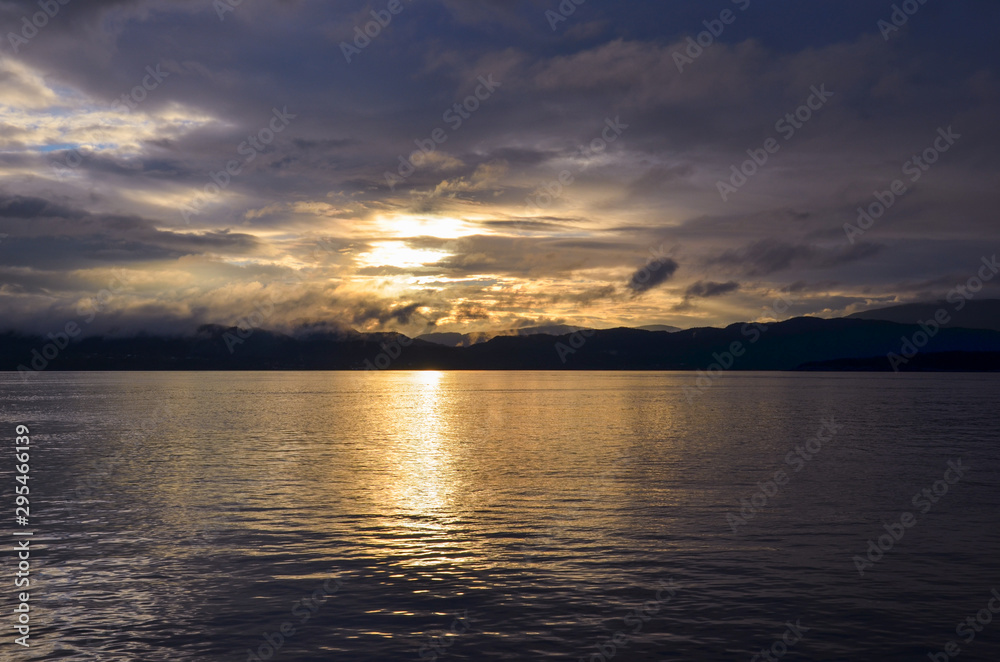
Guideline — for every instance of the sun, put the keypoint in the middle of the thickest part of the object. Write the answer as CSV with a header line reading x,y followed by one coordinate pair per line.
x,y
411,225
391,249
398,254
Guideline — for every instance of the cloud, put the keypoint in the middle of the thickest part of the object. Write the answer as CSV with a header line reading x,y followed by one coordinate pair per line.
x,y
376,312
23,87
652,275
43,233
485,176
768,256
707,289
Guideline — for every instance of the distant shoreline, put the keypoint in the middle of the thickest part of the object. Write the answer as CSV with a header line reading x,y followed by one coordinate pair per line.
x,y
800,344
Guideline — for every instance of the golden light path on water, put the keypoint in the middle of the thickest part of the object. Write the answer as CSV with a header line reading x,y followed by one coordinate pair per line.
x,y
418,476
420,459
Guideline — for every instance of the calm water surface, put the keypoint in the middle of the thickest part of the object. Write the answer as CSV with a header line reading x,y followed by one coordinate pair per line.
x,y
502,516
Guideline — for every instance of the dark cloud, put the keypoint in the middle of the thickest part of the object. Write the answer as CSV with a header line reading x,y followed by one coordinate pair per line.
x,y
372,312
707,289
22,207
656,177
588,296
469,312
768,256
43,234
652,275
765,257
534,225
849,254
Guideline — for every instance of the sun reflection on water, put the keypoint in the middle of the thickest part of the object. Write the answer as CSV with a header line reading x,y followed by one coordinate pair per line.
x,y
421,459
418,483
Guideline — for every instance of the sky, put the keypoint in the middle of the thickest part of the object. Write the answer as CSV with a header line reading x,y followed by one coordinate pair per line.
x,y
492,164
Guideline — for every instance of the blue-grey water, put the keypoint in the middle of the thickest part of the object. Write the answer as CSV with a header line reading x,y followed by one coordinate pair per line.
x,y
503,516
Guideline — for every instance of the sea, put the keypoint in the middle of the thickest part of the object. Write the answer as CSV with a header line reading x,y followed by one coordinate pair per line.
x,y
392,516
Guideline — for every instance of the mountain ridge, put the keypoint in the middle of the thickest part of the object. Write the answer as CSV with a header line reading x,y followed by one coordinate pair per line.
x,y
797,344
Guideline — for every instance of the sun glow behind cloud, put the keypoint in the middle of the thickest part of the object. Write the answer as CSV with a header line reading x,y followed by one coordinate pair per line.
x,y
395,252
442,227
398,254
